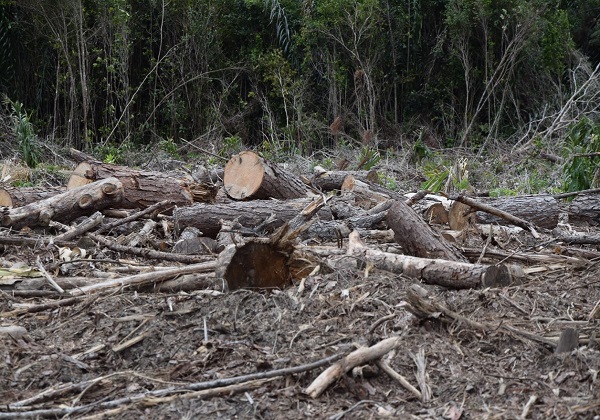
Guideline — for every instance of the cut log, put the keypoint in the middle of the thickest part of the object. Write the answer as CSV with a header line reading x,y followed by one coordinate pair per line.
x,y
367,193
250,214
142,188
506,216
585,208
248,175
67,206
333,180
451,274
541,209
416,237
19,197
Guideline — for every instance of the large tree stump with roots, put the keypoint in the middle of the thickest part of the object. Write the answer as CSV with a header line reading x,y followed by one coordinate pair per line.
x,y
248,175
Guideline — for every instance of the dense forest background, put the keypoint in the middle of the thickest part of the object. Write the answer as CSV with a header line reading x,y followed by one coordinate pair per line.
x,y
294,76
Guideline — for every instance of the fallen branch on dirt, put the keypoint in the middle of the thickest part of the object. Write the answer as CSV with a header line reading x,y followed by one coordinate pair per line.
x,y
145,278
424,308
356,358
87,225
41,307
157,396
384,366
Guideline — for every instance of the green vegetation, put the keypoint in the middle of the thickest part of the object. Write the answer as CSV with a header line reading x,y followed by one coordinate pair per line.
x,y
581,169
289,77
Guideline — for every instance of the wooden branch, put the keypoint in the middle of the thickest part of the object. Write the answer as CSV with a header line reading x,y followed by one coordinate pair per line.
x,y
161,205
384,366
145,278
157,395
358,357
67,206
88,224
332,180
451,274
146,253
425,308
497,212
417,237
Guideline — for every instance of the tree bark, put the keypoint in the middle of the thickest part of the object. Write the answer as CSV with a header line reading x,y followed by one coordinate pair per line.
x,y
451,274
81,201
585,208
541,209
141,188
248,175
19,197
250,214
333,180
417,237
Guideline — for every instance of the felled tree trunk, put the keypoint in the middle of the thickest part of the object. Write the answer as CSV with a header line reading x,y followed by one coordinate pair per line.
x,y
248,175
141,188
451,274
542,210
67,206
333,180
19,197
585,208
416,237
254,215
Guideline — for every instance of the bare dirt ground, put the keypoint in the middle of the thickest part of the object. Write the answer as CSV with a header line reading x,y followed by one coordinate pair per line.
x,y
144,355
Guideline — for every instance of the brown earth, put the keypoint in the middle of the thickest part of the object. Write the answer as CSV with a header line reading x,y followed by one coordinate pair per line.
x,y
69,357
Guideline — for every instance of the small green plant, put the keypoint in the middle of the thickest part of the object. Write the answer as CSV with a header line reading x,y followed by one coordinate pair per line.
x,y
388,182
446,178
24,132
580,172
231,146
502,192
420,150
170,147
368,158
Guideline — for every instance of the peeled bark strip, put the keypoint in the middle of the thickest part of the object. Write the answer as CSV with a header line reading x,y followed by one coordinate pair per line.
x,y
19,197
250,214
333,180
450,274
67,206
141,188
417,237
248,175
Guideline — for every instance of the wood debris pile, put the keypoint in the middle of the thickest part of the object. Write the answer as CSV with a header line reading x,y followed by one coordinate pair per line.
x,y
117,231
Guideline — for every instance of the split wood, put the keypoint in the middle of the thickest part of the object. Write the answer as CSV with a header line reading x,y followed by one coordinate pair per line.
x,y
517,221
154,396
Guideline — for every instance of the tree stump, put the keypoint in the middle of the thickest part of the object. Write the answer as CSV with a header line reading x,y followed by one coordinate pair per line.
x,y
248,175
67,206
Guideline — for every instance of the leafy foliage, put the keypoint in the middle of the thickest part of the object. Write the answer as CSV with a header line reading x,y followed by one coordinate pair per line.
x,y
581,172
24,132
